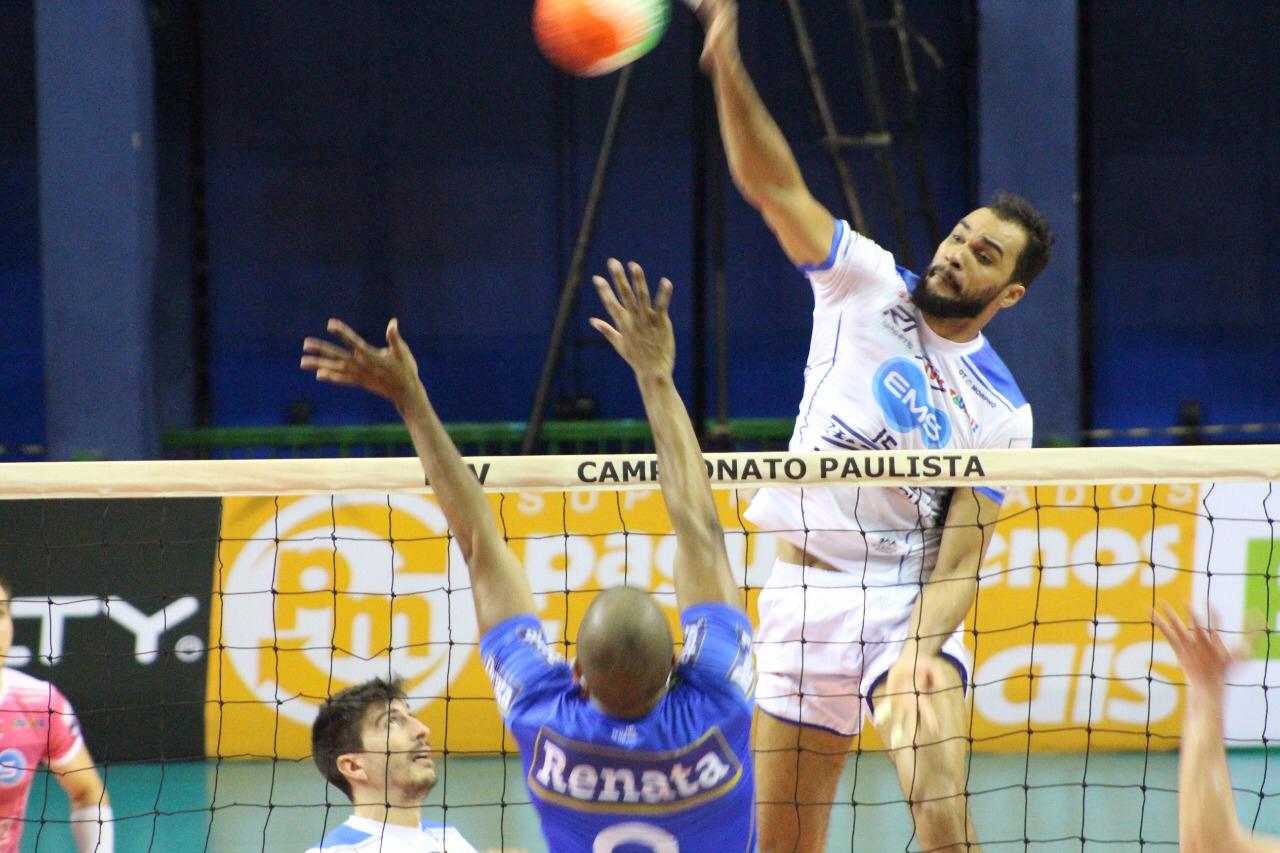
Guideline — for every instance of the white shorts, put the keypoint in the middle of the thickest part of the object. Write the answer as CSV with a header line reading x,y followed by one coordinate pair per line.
x,y
823,645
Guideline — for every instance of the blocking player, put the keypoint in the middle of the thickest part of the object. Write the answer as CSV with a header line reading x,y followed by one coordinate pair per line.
x,y
369,747
627,748
871,585
38,726
1207,820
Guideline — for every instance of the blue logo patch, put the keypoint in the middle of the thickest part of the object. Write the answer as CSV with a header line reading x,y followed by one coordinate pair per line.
x,y
903,394
13,766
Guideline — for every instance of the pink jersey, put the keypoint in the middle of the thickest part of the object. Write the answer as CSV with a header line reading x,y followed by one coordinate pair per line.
x,y
37,725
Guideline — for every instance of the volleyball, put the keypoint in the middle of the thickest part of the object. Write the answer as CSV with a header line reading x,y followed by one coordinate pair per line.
x,y
593,37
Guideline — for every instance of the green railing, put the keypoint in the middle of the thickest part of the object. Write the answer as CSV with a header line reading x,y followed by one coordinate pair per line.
x,y
474,439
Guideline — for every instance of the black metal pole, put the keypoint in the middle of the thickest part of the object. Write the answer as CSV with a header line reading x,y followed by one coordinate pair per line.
x,y
880,125
831,136
569,291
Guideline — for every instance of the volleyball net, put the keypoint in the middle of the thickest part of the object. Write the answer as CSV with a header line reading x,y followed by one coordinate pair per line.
x,y
197,613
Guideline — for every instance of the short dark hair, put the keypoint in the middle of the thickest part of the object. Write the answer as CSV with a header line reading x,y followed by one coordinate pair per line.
x,y
6,587
1035,254
337,729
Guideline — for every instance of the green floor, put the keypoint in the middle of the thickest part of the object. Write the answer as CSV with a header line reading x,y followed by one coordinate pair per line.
x,y
1055,802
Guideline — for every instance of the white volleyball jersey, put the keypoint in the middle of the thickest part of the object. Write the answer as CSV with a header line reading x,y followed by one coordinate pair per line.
x,y
362,835
878,378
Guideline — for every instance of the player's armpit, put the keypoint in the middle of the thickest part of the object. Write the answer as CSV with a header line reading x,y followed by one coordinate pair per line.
x,y
803,225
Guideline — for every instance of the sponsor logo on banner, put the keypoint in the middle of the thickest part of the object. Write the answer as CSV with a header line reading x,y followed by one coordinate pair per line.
x,y
1061,632
315,594
53,614
333,591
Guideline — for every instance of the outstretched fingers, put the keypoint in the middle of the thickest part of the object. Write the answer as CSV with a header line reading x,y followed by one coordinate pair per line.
x,y
640,285
626,297
347,335
610,301
664,295
328,360
610,334
395,344
1166,619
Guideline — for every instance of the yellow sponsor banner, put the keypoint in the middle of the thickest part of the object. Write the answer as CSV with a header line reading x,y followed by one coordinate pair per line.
x,y
1065,654
317,593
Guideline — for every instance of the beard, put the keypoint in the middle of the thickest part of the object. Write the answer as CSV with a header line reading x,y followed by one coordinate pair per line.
x,y
943,306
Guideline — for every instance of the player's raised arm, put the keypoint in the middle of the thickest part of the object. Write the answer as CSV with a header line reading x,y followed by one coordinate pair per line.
x,y
1206,809
641,333
498,582
760,160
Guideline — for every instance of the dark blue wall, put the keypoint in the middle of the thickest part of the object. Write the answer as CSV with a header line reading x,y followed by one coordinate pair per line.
x,y
1186,210
98,246
21,364
1028,142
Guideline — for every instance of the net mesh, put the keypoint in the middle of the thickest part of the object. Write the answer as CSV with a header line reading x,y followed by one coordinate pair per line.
x,y
197,635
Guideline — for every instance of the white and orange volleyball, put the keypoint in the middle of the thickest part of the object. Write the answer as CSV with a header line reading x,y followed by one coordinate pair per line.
x,y
593,37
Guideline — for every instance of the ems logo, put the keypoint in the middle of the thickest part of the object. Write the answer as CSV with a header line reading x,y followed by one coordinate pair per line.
x,y
13,766
334,591
902,391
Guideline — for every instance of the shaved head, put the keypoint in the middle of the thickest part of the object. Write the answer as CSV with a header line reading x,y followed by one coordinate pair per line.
x,y
625,650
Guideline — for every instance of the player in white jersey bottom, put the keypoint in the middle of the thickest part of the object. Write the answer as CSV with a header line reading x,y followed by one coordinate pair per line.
x,y
38,726
369,746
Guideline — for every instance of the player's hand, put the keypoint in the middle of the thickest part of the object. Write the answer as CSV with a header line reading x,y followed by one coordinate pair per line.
x,y
906,715
1202,654
720,47
390,371
641,330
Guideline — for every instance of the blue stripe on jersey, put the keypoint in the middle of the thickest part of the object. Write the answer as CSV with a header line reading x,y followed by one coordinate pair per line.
x,y
909,278
344,835
831,253
870,445
991,371
996,496
843,445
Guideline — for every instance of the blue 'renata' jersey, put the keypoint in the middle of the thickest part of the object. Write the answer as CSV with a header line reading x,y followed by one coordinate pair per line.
x,y
677,779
